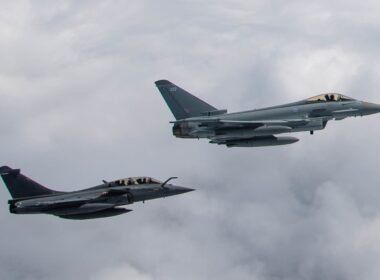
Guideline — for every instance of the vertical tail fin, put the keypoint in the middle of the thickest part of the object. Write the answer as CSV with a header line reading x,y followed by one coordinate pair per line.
x,y
21,186
182,104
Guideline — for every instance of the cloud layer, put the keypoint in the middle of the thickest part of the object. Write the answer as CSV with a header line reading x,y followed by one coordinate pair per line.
x,y
78,105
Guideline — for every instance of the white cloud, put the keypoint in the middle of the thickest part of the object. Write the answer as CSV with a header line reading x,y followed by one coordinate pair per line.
x,y
123,272
78,105
314,71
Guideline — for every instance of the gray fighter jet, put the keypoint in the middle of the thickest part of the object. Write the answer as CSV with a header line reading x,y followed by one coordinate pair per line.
x,y
261,127
100,201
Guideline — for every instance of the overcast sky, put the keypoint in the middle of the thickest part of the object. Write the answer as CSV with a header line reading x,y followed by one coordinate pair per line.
x,y
78,105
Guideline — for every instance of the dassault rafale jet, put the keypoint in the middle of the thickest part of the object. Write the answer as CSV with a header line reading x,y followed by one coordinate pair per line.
x,y
100,201
261,127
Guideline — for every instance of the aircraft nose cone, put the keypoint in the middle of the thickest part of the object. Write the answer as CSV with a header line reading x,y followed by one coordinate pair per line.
x,y
179,189
370,108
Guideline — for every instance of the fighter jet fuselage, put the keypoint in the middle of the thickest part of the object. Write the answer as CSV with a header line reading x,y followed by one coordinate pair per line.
x,y
100,201
258,127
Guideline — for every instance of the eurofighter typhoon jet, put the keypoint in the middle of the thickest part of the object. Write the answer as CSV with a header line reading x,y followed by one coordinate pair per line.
x,y
29,197
261,127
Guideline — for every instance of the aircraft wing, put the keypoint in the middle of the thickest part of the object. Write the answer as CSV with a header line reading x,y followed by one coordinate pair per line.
x,y
294,122
75,202
221,123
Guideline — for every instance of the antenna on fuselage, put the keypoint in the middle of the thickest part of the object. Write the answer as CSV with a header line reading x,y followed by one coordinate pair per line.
x,y
164,183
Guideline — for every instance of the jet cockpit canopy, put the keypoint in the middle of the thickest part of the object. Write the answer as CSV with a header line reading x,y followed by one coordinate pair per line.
x,y
136,181
329,97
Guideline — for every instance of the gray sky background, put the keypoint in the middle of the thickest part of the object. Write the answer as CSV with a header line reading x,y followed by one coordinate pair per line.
x,y
78,105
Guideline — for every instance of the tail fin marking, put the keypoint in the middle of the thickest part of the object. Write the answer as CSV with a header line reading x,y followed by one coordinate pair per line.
x,y
182,104
21,186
